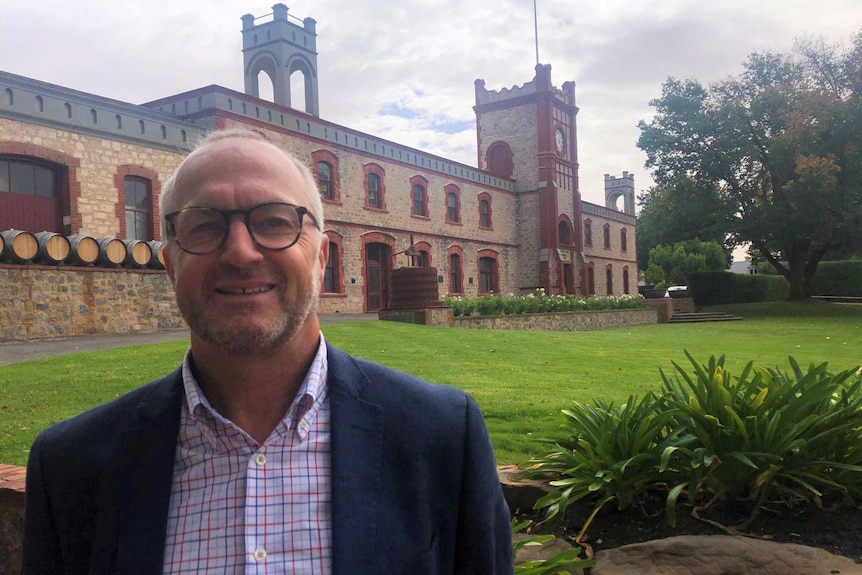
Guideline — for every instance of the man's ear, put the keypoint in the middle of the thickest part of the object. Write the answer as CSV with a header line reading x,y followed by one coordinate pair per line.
x,y
323,256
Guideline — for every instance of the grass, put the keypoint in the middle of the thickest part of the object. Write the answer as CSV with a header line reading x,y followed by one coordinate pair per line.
x,y
521,380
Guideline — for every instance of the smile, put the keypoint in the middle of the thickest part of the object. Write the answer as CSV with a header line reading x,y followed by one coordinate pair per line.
x,y
245,291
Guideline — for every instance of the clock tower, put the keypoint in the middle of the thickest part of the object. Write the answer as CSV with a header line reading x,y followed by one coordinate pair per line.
x,y
529,133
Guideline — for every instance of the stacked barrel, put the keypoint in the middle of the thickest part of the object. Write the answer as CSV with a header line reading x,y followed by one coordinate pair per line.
x,y
49,248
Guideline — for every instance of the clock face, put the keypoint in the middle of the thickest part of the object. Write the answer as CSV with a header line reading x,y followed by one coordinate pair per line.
x,y
560,140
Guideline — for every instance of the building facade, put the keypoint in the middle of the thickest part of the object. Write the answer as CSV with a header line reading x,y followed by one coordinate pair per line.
x,y
77,163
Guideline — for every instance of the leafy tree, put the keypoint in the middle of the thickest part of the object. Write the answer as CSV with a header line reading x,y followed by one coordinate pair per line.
x,y
672,263
781,143
682,211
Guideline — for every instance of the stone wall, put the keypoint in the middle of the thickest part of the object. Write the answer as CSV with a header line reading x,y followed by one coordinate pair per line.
x,y
11,518
566,321
51,301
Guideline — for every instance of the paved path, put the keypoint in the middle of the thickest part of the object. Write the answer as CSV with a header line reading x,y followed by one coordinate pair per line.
x,y
11,352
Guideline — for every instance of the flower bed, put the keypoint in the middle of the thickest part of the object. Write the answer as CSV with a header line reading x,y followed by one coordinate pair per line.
x,y
537,302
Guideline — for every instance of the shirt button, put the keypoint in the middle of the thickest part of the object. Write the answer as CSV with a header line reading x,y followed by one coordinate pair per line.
x,y
260,459
260,554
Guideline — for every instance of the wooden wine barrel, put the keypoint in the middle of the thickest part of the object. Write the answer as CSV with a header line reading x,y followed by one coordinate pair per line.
x,y
2,244
19,247
85,250
158,259
53,248
138,253
112,252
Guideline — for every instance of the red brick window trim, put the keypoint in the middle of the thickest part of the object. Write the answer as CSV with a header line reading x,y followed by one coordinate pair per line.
x,y
325,170
453,204
609,279
626,287
423,260
333,275
591,279
624,241
606,236
588,232
455,261
486,220
133,175
419,198
489,272
375,187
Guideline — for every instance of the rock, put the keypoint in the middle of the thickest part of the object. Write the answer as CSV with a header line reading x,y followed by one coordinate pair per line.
x,y
721,555
520,494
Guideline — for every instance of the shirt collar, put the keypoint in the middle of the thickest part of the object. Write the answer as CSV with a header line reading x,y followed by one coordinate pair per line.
x,y
306,403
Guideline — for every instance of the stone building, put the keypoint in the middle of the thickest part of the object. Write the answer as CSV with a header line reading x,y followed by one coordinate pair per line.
x,y
78,163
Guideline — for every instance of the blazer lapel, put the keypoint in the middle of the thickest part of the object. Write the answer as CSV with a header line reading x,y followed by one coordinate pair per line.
x,y
143,479
357,443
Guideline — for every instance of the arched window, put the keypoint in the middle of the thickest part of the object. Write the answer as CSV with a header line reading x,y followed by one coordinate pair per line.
x,y
564,237
325,165
591,280
624,241
485,220
375,191
588,233
489,280
453,204
419,197
138,208
606,234
333,274
499,160
609,280
626,280
324,179
456,274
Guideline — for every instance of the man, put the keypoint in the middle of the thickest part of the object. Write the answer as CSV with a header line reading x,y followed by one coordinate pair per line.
x,y
268,451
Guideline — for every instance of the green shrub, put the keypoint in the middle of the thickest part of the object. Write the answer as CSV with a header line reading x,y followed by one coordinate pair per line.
x,y
611,452
560,564
718,288
766,434
843,278
536,302
763,436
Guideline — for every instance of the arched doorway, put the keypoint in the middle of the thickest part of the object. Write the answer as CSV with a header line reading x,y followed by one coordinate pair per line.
x,y
378,264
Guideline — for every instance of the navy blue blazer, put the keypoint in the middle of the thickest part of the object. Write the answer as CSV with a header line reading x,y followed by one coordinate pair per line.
x,y
414,482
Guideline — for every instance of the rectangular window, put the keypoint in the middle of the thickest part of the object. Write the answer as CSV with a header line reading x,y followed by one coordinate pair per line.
x,y
137,192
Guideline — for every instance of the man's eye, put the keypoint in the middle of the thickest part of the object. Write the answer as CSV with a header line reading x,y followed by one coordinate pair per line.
x,y
203,228
276,223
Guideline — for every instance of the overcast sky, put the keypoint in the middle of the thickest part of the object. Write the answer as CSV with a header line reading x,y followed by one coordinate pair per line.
x,y
404,71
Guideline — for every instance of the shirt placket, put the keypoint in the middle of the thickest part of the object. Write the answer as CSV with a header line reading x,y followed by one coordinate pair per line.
x,y
257,553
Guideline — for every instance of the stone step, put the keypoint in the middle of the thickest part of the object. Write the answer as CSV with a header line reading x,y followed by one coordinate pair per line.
x,y
696,317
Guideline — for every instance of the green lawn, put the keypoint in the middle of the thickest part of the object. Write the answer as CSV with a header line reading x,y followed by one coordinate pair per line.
x,y
521,380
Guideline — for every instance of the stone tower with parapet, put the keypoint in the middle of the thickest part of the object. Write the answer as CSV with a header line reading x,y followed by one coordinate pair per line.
x,y
616,188
279,48
529,133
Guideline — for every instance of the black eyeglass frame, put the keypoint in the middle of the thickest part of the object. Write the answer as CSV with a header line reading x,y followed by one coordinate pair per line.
x,y
301,211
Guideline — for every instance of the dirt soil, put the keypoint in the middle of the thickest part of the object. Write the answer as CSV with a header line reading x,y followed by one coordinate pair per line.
x,y
837,528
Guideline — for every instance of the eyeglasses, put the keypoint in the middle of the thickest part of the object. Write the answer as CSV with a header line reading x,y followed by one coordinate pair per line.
x,y
272,226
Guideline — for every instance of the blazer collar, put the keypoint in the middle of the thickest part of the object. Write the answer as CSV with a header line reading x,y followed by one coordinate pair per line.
x,y
143,478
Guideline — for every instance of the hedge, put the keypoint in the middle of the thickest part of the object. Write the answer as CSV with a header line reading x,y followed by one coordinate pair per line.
x,y
717,288
840,278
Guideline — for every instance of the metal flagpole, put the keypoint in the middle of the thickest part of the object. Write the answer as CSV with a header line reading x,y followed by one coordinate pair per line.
x,y
536,27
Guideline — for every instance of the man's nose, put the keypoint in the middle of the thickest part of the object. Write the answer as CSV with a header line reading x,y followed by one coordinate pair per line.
x,y
239,247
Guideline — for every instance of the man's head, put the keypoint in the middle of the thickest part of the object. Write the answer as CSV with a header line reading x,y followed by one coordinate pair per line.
x,y
245,254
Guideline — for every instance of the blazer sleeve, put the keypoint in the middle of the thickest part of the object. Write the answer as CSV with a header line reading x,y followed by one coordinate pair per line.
x,y
484,541
42,553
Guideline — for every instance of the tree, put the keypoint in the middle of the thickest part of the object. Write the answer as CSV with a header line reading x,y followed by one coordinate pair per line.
x,y
782,144
672,264
682,211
